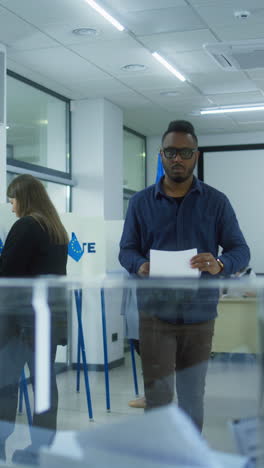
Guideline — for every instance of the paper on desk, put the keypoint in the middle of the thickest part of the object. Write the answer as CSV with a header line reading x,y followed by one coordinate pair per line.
x,y
172,263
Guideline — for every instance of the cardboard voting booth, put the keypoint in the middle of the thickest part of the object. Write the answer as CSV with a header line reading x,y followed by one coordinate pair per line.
x,y
93,253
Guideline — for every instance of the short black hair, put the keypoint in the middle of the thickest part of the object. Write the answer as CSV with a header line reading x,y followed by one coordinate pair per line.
x,y
182,126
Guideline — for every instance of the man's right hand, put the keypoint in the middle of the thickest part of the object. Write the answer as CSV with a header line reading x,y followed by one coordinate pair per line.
x,y
144,269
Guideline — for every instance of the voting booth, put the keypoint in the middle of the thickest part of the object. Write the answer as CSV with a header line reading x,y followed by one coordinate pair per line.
x,y
93,253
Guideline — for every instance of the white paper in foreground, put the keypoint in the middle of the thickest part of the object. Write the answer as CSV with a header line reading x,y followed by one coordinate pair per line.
x,y
170,264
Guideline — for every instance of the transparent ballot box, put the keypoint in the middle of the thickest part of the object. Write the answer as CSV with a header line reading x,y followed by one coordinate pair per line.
x,y
119,370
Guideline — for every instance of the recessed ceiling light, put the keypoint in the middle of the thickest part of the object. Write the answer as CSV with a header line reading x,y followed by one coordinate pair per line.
x,y
134,67
169,93
242,15
7,127
85,32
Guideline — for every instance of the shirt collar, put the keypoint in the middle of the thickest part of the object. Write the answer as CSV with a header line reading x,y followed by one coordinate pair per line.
x,y
196,186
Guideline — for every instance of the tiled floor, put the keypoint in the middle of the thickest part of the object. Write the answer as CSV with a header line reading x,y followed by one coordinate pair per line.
x,y
231,392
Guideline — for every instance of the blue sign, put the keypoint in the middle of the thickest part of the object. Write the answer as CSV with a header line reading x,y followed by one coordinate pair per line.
x,y
1,246
76,250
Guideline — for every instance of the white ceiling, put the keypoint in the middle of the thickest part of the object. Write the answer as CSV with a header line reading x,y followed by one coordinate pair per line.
x,y
41,46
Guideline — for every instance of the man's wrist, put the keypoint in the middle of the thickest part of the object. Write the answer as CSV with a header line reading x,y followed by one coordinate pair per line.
x,y
221,265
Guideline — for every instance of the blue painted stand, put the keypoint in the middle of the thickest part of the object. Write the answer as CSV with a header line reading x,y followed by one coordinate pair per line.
x,y
23,391
106,368
81,352
134,369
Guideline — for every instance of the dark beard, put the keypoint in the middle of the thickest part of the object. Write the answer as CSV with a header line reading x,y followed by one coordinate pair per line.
x,y
179,179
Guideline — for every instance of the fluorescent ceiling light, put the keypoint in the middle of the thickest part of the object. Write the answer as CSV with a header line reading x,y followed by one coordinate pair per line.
x,y
168,66
224,110
106,15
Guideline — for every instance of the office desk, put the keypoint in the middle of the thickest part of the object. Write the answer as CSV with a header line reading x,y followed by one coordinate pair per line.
x,y
236,325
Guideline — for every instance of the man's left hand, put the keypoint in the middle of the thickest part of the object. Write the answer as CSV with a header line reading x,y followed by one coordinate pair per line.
x,y
206,262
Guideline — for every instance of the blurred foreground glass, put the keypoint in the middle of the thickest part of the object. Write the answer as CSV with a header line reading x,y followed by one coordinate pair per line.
x,y
38,318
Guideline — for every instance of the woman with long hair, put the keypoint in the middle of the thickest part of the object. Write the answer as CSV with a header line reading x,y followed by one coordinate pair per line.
x,y
37,244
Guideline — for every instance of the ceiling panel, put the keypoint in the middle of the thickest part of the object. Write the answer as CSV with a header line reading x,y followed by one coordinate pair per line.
x,y
240,32
142,82
163,20
129,99
101,88
112,55
62,32
194,62
53,11
223,82
44,80
15,32
236,98
236,4
251,126
124,6
213,123
63,65
256,74
245,117
190,103
170,43
222,14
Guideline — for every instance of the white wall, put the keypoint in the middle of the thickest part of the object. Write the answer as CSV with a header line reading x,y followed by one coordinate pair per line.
x,y
97,158
231,139
239,174
113,161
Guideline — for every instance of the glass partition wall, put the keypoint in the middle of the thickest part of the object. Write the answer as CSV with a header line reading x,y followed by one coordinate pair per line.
x,y
38,137
134,164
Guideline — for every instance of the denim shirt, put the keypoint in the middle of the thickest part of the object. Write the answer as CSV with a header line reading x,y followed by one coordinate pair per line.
x,y
204,220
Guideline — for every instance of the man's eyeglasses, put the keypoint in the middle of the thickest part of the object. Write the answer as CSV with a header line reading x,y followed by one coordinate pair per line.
x,y
184,153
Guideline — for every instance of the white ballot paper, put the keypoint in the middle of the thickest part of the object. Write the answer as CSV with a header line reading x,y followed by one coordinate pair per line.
x,y
172,263
161,438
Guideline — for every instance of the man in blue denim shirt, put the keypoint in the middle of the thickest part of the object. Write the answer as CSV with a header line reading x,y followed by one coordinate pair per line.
x,y
176,326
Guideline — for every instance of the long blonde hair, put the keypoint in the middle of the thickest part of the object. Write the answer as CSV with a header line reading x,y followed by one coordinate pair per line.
x,y
32,200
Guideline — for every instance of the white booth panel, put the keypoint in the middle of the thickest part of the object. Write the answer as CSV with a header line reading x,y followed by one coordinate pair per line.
x,y
239,174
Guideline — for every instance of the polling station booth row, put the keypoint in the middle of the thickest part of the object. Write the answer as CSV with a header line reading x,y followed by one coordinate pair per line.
x,y
93,254
67,376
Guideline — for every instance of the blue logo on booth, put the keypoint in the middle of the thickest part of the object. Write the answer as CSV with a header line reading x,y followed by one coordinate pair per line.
x,y
76,250
1,246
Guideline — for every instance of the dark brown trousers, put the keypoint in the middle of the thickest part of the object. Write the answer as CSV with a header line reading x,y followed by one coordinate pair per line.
x,y
184,348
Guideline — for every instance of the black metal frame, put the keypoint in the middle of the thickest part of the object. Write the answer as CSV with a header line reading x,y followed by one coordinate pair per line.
x,y
214,149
